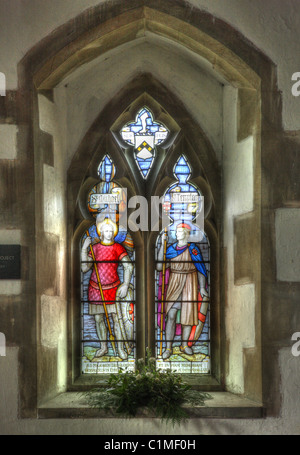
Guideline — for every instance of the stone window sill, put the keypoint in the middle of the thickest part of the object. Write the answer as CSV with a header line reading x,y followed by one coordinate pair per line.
x,y
203,382
222,405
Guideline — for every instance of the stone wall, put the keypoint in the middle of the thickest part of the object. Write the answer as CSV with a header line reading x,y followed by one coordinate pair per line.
x,y
222,65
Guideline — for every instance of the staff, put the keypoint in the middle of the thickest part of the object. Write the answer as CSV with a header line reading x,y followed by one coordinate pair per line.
x,y
111,337
163,295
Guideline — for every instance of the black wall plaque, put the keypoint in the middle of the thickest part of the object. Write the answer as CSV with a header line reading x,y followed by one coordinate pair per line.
x,y
10,262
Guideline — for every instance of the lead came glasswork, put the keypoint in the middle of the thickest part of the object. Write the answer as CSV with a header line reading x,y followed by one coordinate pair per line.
x,y
144,134
108,281
182,281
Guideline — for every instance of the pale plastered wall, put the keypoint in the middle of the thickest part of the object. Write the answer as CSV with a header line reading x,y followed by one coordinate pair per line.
x,y
272,25
196,86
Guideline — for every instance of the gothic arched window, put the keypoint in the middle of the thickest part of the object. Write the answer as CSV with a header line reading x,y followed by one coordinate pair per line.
x,y
159,297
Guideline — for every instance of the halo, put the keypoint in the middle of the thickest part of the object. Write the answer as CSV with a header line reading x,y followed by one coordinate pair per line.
x,y
107,221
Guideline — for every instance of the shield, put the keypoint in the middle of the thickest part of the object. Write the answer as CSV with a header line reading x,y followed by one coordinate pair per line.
x,y
144,146
199,328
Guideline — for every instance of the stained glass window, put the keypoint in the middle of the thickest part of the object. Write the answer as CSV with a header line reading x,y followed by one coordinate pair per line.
x,y
107,281
183,280
144,134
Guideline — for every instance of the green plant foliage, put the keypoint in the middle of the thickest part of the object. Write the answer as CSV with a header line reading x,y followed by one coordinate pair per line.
x,y
163,393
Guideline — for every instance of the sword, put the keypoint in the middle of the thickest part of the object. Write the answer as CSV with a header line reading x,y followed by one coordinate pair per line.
x,y
121,324
111,337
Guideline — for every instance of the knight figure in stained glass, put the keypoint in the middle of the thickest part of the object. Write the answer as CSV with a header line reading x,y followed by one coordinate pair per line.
x,y
182,280
105,288
186,285
107,265
144,135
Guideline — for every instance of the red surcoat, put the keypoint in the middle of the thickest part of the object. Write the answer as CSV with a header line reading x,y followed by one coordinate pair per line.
x,y
107,270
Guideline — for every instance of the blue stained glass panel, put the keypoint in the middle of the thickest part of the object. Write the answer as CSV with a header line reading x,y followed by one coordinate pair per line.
x,y
106,169
144,134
